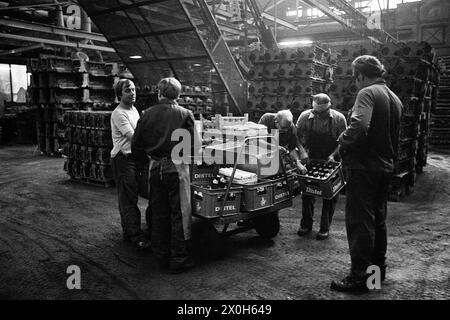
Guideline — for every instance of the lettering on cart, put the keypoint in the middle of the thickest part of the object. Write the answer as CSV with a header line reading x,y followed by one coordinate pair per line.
x,y
202,311
203,175
314,191
281,195
226,208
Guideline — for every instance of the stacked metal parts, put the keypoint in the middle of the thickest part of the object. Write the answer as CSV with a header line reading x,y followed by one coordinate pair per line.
x,y
287,79
440,121
60,84
198,99
88,146
412,73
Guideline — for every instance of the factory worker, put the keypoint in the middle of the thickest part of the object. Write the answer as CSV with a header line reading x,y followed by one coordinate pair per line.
x,y
318,129
283,122
170,195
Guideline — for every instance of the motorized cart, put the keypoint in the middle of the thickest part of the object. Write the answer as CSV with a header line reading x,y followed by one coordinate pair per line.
x,y
237,208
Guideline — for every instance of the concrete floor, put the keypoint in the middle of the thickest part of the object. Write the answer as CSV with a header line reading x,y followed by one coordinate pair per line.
x,y
48,223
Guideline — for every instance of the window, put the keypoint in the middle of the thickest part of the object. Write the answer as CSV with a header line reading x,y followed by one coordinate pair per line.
x,y
19,82
14,82
314,13
384,4
295,13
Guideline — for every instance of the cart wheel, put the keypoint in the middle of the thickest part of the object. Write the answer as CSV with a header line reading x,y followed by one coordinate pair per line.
x,y
207,241
267,225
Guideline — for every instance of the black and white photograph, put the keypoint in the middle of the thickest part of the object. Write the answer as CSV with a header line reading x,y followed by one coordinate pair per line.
x,y
226,158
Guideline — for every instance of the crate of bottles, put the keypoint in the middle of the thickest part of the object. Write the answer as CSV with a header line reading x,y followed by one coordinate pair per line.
x,y
323,179
202,172
283,188
207,200
256,196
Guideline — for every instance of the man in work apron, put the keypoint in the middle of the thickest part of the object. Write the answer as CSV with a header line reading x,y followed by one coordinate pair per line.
x,y
169,179
169,183
319,129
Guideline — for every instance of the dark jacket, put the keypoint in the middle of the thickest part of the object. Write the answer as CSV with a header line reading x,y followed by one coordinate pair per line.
x,y
154,129
372,137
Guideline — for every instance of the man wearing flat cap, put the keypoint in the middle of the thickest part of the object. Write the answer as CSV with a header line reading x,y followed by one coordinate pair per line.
x,y
318,129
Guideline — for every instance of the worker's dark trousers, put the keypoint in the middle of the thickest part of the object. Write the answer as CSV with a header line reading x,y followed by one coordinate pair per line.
x,y
124,171
168,242
365,219
328,207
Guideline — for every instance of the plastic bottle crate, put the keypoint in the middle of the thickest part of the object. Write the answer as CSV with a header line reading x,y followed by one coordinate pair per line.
x,y
85,169
407,149
73,151
103,138
327,186
103,155
283,189
91,154
208,202
256,196
405,165
91,137
103,172
202,172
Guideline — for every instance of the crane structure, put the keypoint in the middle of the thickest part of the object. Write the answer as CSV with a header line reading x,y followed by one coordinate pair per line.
x,y
266,34
351,18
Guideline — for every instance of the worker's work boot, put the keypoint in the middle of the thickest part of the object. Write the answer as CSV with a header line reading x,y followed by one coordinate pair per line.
x,y
351,285
322,235
303,232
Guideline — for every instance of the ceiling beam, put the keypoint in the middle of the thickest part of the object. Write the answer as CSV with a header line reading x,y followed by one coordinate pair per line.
x,y
273,5
23,49
52,29
279,21
56,42
38,5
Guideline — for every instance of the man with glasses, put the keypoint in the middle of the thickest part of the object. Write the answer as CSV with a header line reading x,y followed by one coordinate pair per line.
x,y
318,129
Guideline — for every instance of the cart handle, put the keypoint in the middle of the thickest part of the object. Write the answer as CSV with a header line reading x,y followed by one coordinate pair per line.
x,y
235,166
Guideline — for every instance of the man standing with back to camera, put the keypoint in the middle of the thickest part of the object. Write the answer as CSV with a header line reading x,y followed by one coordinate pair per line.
x,y
369,147
124,119
170,201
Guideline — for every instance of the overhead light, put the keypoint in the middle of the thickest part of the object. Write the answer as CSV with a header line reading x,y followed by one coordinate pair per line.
x,y
135,57
294,43
197,65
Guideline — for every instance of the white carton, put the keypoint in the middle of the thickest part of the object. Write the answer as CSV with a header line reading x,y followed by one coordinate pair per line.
x,y
240,176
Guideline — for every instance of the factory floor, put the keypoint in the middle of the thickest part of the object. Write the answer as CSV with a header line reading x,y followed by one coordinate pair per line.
x,y
48,223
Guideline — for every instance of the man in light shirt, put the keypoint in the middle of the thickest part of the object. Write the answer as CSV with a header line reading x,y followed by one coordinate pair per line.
x,y
123,123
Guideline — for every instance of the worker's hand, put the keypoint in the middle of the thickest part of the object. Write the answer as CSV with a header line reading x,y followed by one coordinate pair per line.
x,y
283,150
330,158
301,167
306,160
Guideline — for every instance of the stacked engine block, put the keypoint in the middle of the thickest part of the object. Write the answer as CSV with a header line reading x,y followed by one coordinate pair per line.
x,y
287,79
88,144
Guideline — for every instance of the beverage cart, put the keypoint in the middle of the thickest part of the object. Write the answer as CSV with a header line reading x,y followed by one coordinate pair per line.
x,y
226,217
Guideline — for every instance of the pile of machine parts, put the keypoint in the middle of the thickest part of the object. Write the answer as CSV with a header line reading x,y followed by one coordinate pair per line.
x,y
88,145
287,79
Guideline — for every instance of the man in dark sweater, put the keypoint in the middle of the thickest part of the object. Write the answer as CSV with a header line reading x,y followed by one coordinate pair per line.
x,y
169,178
368,147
